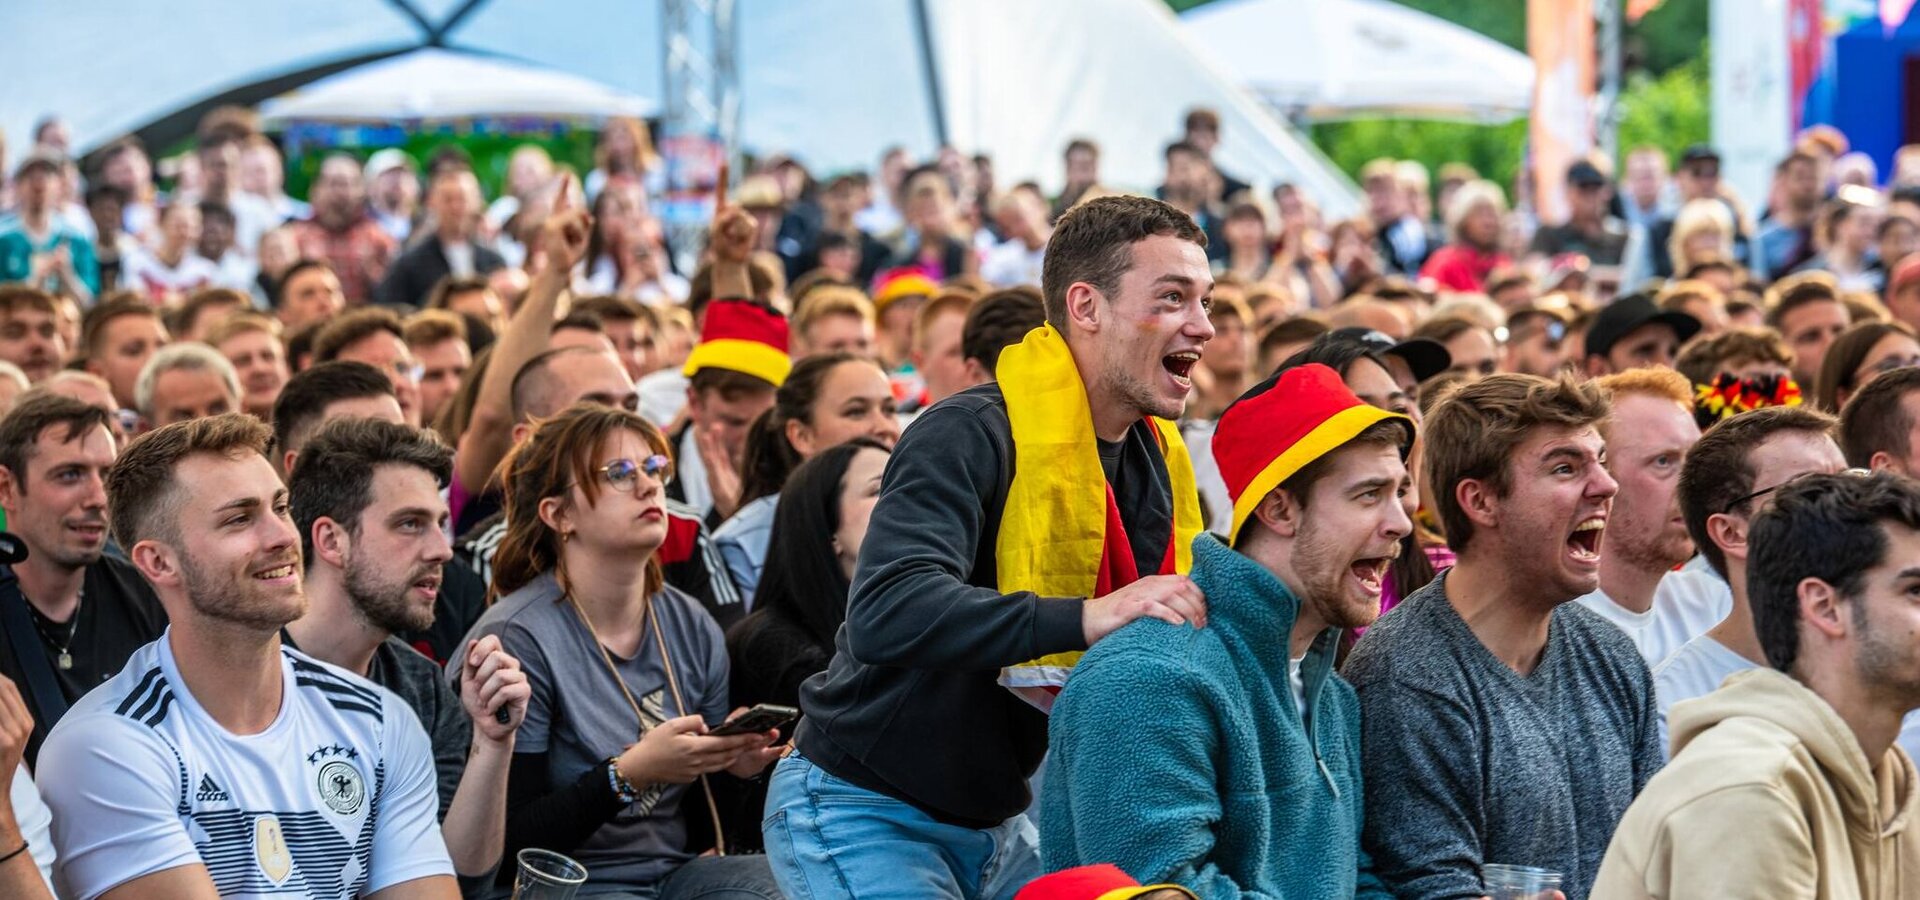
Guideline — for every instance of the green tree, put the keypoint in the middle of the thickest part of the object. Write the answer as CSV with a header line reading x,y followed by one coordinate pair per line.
x,y
1670,111
1665,101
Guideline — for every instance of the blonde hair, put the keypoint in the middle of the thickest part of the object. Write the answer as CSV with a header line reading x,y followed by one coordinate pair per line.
x,y
831,300
1468,196
947,301
242,322
1674,297
1693,218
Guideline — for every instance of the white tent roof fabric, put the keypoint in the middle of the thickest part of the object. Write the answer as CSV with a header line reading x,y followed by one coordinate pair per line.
x,y
832,82
1338,58
443,84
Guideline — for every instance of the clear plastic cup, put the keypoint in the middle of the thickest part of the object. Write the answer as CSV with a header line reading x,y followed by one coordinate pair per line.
x,y
1503,882
546,875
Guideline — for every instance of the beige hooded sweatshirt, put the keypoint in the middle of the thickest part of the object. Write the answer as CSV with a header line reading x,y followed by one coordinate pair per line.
x,y
1768,795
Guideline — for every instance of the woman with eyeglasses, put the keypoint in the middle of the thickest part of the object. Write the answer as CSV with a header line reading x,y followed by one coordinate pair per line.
x,y
826,401
615,765
1860,354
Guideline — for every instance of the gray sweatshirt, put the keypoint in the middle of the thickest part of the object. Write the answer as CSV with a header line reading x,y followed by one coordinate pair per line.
x,y
1468,762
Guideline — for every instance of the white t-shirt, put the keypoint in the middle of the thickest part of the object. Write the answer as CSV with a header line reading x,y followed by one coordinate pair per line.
x,y
144,272
1012,263
1215,502
1697,669
1685,605
663,395
34,821
1299,682
336,799
459,258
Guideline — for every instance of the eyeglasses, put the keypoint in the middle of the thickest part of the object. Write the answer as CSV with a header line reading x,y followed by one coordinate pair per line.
x,y
624,474
1856,473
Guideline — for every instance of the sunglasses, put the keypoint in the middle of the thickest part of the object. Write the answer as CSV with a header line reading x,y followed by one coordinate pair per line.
x,y
1856,473
624,474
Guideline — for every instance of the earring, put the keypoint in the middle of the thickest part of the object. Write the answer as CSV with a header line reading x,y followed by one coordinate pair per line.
x,y
566,536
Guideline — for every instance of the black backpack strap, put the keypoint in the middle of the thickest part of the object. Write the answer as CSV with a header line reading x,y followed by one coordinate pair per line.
x,y
42,688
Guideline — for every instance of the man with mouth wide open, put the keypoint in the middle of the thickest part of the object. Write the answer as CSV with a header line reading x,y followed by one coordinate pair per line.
x,y
1018,523
1499,722
1246,780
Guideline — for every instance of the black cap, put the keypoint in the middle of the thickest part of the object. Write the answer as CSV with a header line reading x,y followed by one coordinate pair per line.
x,y
1425,358
1620,318
1585,174
1699,153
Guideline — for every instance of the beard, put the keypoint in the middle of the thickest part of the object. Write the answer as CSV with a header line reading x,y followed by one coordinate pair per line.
x,y
1324,571
384,602
240,599
1885,662
1140,395
1658,552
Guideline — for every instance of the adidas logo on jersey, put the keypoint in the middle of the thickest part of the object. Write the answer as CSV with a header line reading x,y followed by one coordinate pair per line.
x,y
210,792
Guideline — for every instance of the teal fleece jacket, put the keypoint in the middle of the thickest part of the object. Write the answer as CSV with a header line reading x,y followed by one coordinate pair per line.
x,y
1178,754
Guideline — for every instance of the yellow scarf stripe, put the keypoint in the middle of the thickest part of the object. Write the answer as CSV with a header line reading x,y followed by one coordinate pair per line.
x,y
1054,528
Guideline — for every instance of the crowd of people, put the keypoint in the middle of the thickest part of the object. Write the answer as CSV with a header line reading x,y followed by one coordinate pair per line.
x,y
1104,545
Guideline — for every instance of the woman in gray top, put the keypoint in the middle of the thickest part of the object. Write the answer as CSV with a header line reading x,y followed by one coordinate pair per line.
x,y
627,674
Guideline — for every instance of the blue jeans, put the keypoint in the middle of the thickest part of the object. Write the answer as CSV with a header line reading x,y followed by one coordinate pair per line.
x,y
827,838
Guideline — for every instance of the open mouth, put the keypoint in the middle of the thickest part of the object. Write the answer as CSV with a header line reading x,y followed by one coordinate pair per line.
x,y
1371,573
1180,366
1584,543
428,586
276,573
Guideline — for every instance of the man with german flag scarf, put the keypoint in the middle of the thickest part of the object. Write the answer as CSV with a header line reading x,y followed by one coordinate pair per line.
x,y
1019,522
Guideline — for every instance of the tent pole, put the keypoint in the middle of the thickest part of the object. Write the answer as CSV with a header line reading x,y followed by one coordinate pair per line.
x,y
1608,127
930,66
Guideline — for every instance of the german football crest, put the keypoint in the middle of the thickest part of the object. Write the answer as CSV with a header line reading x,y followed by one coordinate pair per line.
x,y
341,787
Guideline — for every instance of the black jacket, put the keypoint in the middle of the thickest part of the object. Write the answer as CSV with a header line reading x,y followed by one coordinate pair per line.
x,y
414,274
910,707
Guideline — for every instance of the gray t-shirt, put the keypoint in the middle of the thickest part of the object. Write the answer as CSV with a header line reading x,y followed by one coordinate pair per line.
x,y
1468,762
579,717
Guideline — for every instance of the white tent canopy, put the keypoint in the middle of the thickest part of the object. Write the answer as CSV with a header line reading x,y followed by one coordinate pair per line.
x,y
832,82
434,84
1330,59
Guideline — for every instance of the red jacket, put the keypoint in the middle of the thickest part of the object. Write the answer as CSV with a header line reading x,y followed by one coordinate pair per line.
x,y
1460,268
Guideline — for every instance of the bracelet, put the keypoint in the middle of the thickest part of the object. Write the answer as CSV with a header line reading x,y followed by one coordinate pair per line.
x,y
623,790
9,857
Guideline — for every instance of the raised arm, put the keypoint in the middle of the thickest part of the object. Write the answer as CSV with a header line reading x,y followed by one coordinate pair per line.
x,y
476,823
489,433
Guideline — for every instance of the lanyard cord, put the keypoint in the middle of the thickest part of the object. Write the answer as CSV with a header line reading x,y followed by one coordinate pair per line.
x,y
673,684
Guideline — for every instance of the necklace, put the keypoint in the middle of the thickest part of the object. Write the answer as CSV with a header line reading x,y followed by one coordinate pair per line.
x,y
62,647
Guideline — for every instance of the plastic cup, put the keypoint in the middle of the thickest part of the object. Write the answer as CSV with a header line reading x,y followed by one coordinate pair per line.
x,y
1503,882
546,875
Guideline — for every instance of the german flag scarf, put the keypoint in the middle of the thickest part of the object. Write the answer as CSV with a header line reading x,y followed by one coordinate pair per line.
x,y
1062,534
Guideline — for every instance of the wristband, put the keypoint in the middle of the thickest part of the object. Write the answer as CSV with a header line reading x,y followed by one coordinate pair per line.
x,y
9,857
623,790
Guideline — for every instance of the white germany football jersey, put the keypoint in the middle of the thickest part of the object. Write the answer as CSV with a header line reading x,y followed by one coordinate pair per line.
x,y
336,799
